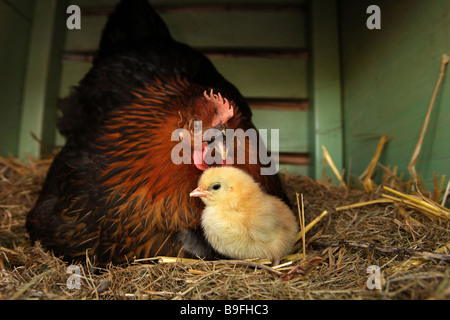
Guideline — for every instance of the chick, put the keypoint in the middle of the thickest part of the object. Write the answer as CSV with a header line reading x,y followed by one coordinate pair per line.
x,y
240,220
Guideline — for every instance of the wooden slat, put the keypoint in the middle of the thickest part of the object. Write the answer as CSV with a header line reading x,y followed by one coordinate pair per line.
x,y
15,34
80,56
205,30
278,104
281,53
292,127
164,9
268,78
212,53
301,159
42,78
259,78
325,87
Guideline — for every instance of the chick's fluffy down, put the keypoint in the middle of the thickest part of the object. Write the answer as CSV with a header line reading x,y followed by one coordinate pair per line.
x,y
241,221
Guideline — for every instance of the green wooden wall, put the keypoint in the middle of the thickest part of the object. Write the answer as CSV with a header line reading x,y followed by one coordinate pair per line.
x,y
350,85
15,28
31,38
388,77
256,77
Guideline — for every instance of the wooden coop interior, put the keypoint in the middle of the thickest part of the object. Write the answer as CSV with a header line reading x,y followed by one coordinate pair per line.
x,y
311,69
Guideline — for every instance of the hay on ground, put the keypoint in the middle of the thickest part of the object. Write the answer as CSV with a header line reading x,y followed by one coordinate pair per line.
x,y
361,229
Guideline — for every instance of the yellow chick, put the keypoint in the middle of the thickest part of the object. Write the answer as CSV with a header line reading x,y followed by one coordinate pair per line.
x,y
240,220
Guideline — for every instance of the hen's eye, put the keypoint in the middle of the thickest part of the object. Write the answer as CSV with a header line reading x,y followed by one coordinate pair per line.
x,y
194,124
216,186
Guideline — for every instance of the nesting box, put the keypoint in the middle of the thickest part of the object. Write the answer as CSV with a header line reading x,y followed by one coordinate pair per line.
x,y
324,73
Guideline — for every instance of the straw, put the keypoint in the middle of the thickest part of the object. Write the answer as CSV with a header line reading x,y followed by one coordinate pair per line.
x,y
373,233
301,214
447,192
415,155
367,174
428,207
362,204
333,167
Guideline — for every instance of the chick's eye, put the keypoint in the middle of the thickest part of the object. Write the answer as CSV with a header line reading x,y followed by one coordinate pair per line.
x,y
216,186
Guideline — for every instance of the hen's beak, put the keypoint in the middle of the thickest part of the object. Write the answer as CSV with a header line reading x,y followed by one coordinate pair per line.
x,y
221,148
199,192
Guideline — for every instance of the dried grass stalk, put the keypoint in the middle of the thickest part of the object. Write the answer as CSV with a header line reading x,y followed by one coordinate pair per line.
x,y
302,232
430,208
333,167
362,204
446,193
367,175
415,155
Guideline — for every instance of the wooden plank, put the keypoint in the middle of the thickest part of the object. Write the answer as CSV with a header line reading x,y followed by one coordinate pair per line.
x,y
42,77
278,104
212,53
78,56
270,96
211,8
266,53
292,129
14,39
110,3
202,30
261,78
293,169
325,87
239,29
268,78
300,159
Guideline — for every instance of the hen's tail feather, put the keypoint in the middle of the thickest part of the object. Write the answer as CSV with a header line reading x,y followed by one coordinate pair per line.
x,y
133,22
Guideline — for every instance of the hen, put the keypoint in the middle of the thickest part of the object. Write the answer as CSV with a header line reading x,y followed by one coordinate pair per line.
x,y
113,192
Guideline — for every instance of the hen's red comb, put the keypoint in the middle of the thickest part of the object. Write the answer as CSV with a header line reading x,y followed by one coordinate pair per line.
x,y
224,110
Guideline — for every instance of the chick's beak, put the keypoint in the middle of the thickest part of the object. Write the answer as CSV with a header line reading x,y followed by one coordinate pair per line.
x,y
199,192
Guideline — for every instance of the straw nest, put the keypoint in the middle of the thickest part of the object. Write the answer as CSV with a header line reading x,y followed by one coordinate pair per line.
x,y
405,234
